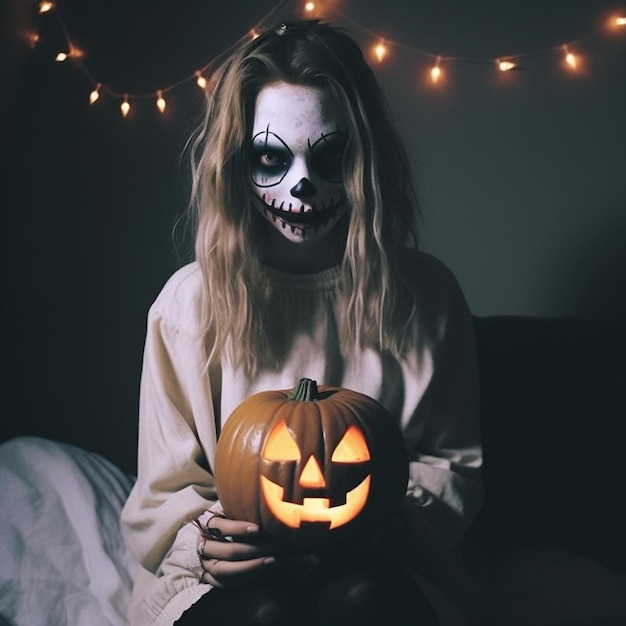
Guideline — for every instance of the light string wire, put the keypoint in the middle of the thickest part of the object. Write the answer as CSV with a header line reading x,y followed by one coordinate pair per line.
x,y
74,55
467,59
503,63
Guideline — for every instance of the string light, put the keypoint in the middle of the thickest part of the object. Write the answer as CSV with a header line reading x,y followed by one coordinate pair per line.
x,y
380,51
125,106
435,72
505,66
95,94
570,58
161,104
200,80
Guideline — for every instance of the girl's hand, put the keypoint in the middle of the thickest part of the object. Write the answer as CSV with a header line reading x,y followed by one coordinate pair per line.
x,y
231,552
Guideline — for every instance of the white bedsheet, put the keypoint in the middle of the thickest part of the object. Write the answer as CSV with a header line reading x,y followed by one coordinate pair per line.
x,y
63,561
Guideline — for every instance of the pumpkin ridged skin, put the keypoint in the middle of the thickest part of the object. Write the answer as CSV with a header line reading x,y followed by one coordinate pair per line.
x,y
317,426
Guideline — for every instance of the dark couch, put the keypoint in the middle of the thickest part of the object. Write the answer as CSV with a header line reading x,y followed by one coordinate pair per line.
x,y
552,530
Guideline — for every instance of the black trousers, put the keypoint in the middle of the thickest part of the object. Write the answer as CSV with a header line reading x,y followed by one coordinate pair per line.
x,y
341,591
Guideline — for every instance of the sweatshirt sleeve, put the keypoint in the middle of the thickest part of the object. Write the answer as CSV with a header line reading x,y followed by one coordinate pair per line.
x,y
174,482
445,487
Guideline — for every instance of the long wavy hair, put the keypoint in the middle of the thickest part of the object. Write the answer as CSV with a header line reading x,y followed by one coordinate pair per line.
x,y
377,306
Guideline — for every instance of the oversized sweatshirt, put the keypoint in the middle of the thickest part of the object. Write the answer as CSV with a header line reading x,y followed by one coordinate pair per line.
x,y
431,390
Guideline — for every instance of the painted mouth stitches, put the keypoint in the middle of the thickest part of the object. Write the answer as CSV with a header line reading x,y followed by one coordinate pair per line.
x,y
302,217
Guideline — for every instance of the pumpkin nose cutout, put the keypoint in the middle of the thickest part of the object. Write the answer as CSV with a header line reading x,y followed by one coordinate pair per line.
x,y
304,188
312,474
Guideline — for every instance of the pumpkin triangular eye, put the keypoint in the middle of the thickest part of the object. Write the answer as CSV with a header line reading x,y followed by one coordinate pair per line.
x,y
352,448
280,445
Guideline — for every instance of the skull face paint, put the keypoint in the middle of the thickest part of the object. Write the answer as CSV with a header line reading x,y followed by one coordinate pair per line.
x,y
296,160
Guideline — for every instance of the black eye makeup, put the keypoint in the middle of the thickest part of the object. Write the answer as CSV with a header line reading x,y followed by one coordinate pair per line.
x,y
328,153
270,159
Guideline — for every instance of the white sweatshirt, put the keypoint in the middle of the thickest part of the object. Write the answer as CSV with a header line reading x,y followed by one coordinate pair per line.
x,y
432,392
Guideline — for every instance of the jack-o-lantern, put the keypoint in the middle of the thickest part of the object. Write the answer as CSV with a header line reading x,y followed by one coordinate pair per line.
x,y
313,467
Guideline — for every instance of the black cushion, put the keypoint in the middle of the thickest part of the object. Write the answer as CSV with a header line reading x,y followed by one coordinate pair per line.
x,y
554,427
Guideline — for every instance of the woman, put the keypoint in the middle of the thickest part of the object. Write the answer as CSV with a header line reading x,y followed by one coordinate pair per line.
x,y
306,265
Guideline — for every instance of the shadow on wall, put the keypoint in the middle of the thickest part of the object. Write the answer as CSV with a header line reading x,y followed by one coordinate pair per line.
x,y
598,287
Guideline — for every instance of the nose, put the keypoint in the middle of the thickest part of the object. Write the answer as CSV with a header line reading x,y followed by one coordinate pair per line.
x,y
304,188
312,474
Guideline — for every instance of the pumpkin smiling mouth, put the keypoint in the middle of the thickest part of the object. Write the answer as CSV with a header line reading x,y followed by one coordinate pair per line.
x,y
314,509
298,213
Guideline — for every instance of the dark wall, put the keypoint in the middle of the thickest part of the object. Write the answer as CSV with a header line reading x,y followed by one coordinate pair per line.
x,y
521,178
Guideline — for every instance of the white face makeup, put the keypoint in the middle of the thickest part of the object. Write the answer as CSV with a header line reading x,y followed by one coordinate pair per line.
x,y
296,155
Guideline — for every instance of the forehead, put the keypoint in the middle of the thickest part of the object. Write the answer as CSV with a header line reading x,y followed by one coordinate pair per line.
x,y
291,109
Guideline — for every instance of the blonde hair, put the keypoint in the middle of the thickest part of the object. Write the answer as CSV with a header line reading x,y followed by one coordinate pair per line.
x,y
378,306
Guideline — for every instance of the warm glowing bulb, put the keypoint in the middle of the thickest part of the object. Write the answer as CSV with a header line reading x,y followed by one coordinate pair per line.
x,y
33,38
160,102
435,72
505,66
620,21
201,80
380,51
570,58
95,94
309,6
44,7
125,107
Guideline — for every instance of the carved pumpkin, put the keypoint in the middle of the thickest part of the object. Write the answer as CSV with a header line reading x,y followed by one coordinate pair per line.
x,y
312,467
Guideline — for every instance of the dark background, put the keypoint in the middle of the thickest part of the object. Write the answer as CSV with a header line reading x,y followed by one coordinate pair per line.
x,y
521,176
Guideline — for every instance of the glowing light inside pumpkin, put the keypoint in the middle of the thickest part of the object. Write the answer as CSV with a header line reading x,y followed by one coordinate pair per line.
x,y
312,474
352,448
280,445
314,509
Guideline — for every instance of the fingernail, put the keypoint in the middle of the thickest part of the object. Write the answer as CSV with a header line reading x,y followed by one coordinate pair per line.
x,y
252,529
269,560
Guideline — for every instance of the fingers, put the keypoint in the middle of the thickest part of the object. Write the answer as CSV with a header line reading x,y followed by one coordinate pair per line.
x,y
236,529
229,573
230,550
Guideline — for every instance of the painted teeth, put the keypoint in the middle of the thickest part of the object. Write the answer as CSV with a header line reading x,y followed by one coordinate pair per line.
x,y
297,217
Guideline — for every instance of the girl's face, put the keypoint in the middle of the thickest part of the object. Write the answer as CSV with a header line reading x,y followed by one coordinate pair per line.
x,y
296,155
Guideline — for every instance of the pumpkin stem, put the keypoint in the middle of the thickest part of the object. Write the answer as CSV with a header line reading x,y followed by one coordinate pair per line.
x,y
305,391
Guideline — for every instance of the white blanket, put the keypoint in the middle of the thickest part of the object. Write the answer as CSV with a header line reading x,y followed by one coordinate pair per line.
x,y
63,561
